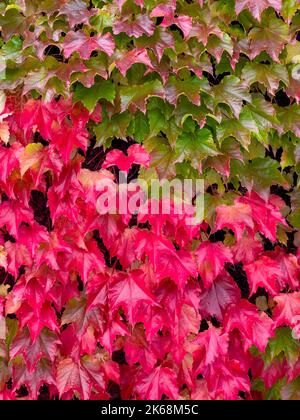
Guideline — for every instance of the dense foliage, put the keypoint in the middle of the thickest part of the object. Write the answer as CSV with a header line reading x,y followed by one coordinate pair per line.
x,y
112,306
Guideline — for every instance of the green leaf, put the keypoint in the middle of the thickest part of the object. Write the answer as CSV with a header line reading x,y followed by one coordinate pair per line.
x,y
232,92
283,344
196,147
274,393
289,8
13,22
156,121
268,75
263,116
139,127
12,49
294,219
110,128
289,118
185,109
190,88
138,95
171,131
291,391
260,173
270,36
102,89
240,129
163,157
256,119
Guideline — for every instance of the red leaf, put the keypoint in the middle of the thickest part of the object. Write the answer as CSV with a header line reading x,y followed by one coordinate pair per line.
x,y
129,292
35,322
213,344
290,268
161,380
79,376
141,24
45,346
287,311
226,379
255,328
42,375
211,258
37,115
246,250
10,159
177,265
12,214
124,247
264,272
237,218
223,292
138,55
265,215
87,262
85,45
136,154
77,12
257,7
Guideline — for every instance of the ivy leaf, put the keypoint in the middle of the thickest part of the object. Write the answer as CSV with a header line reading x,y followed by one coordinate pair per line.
x,y
211,258
215,300
195,147
289,8
39,159
10,159
79,376
265,214
268,75
138,55
255,328
247,250
163,157
259,174
136,154
157,121
77,12
263,117
42,375
190,88
290,392
12,214
167,262
44,347
12,22
135,26
102,89
241,129
35,322
257,7
271,37
214,343
161,380
136,96
158,42
284,344
289,120
231,92
129,292
85,45
238,218
287,310
263,272
114,127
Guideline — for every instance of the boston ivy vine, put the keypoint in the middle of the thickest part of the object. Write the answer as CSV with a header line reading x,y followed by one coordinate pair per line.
x,y
100,306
